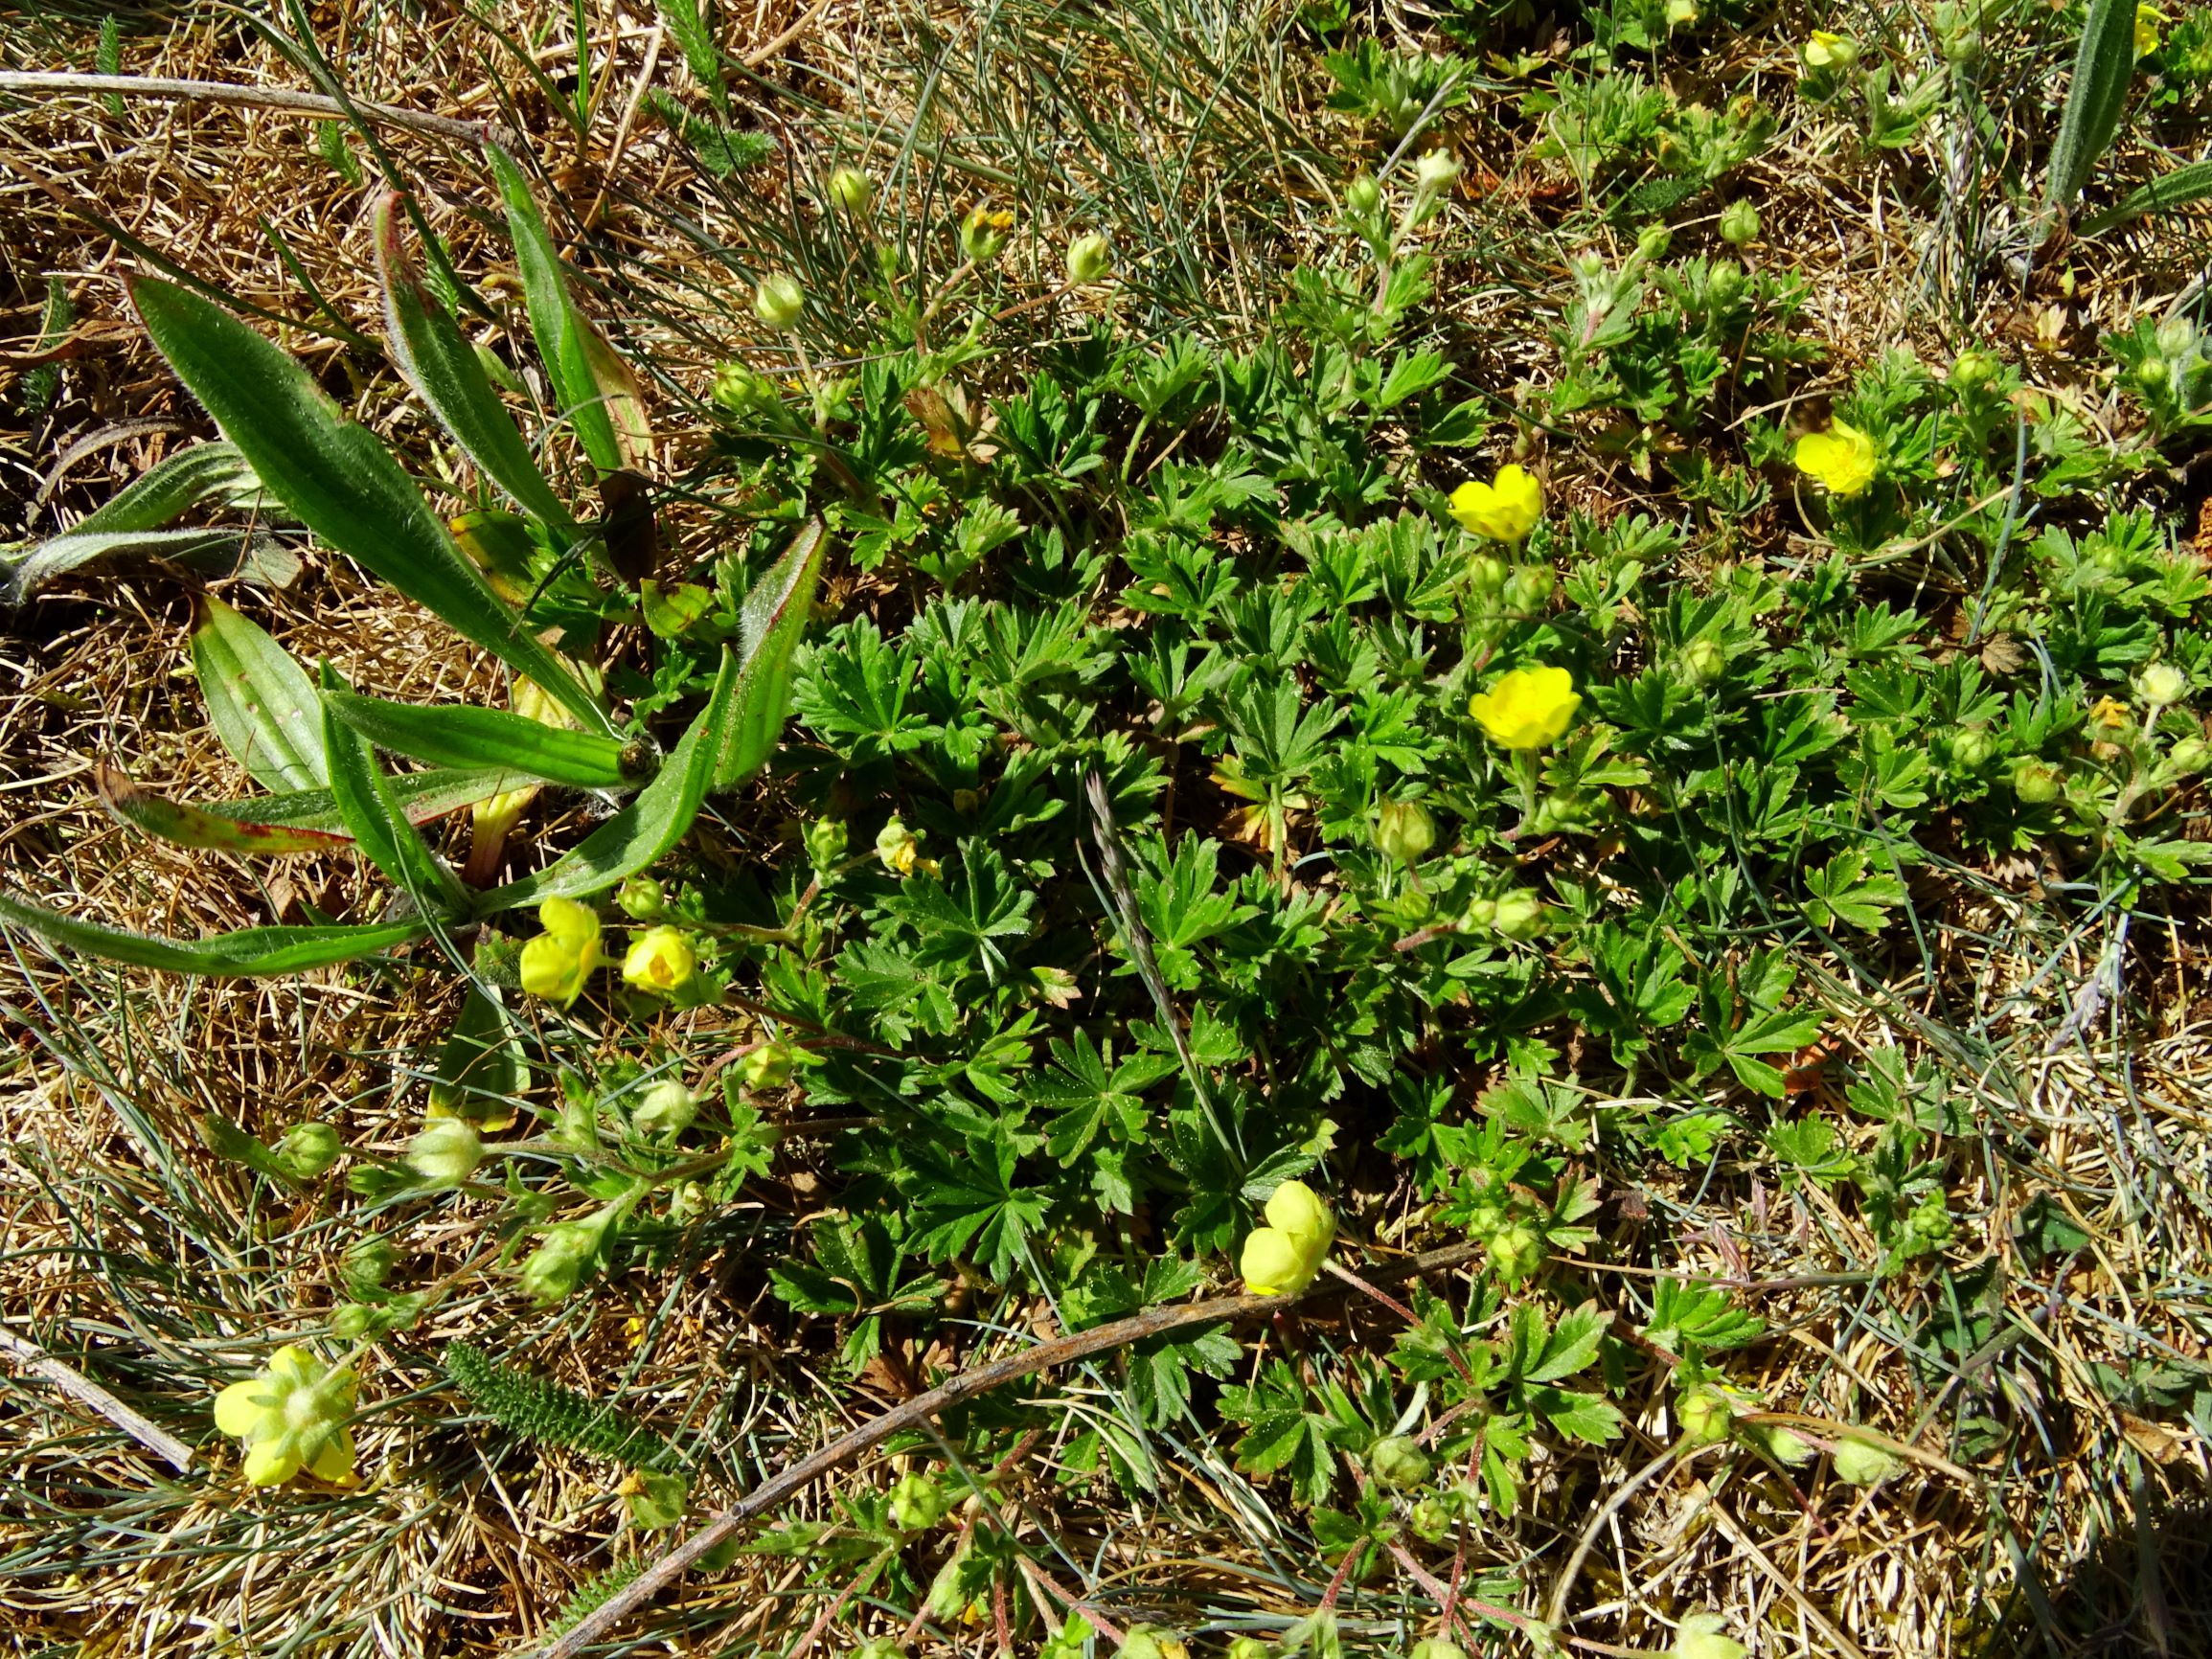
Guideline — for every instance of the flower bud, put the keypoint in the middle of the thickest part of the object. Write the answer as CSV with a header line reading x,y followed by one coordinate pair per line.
x,y
779,300
1861,1462
641,898
1480,916
1398,1464
1724,285
446,1152
1515,1253
1090,259
1971,748
1249,1647
1702,660
1705,1636
769,1067
1485,573
827,840
565,1258
1430,1520
2188,756
1436,1648
1528,588
1404,831
2035,781
352,1321
1971,371
660,961
899,848
879,1647
2161,684
1653,243
367,1264
1362,195
1706,1415
665,1110
2177,337
1519,914
918,1502
982,233
852,190
1153,1642
1778,1440
556,964
1435,171
1740,222
307,1150
2153,374
737,388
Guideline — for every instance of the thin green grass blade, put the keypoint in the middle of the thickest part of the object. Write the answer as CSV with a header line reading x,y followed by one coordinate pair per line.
x,y
373,815
185,825
773,619
553,316
2103,67
339,479
478,738
250,953
434,358
637,835
259,700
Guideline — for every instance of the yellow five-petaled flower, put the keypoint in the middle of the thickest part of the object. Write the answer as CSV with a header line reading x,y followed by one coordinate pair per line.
x,y
1504,510
291,1416
1527,709
1285,1255
556,964
1842,458
659,959
2146,36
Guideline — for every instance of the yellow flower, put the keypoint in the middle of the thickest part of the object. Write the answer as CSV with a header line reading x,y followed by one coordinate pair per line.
x,y
1825,51
1841,458
1504,510
556,964
2146,36
291,1416
1285,1255
1528,708
660,958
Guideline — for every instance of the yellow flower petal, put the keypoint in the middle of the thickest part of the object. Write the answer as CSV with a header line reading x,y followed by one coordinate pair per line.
x,y
1273,1265
334,1461
1504,510
660,960
271,1462
1841,458
1297,1210
241,1408
1527,709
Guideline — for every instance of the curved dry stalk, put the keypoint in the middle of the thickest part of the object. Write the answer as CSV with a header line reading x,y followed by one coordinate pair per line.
x,y
312,104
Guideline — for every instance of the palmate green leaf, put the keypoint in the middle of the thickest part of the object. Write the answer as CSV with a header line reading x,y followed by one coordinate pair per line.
x,y
553,319
378,822
259,700
206,832
647,827
425,796
479,739
252,952
430,352
2103,66
2190,182
338,479
769,625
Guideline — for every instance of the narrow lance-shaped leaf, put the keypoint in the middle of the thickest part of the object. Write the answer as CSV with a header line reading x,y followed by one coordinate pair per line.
x,y
259,700
133,520
460,735
773,618
442,368
637,835
373,815
252,952
184,826
2103,66
2191,182
339,480
242,553
553,316
423,796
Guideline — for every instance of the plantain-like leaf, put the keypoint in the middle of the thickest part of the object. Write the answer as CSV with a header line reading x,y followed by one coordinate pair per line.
x,y
425,796
375,818
2190,182
431,353
242,553
773,618
259,700
553,319
481,1069
174,821
251,952
2104,63
339,480
464,737
637,835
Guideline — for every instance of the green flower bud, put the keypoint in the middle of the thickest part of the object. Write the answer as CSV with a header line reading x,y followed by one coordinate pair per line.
x,y
2177,337
1090,259
1653,243
1154,1642
879,1647
367,1264
1430,1520
1362,195
982,233
1435,1648
2036,782
1435,171
1528,587
2153,374
827,840
641,898
665,1110
1726,283
1486,574
1971,748
1519,914
1706,1415
1515,1253
1249,1647
1702,660
1778,1440
1861,1462
918,1502
737,388
565,1258
446,1152
307,1150
1740,222
769,1067
1704,1636
2162,684
688,1202
1974,371
1398,1462
2188,756
1404,831
852,190
779,300
352,1321
1480,917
